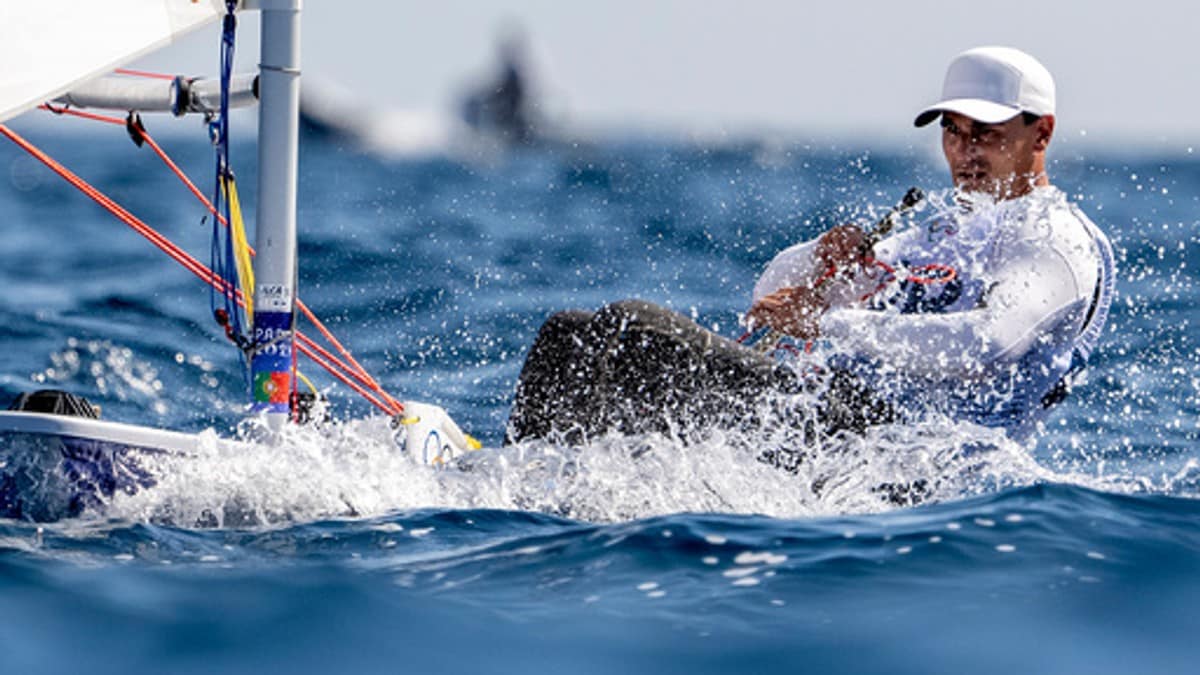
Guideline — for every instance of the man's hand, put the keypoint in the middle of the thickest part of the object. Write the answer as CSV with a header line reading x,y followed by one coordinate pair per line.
x,y
842,248
792,311
795,311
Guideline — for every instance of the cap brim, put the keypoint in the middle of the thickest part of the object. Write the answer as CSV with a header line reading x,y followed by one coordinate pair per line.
x,y
977,109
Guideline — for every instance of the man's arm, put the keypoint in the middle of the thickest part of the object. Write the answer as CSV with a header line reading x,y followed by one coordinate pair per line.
x,y
1034,291
806,279
842,247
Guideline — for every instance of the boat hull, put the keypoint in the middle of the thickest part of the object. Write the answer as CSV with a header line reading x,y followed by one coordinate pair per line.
x,y
55,466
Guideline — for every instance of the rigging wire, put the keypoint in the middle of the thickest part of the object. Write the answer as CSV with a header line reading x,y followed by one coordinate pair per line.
x,y
143,73
346,371
230,251
223,256
348,363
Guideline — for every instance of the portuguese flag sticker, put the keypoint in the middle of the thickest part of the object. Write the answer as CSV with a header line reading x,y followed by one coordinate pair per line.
x,y
272,387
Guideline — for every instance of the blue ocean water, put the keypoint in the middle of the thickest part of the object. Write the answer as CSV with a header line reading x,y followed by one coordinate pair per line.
x,y
1073,553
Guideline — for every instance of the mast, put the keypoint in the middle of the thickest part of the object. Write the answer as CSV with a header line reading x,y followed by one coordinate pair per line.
x,y
278,157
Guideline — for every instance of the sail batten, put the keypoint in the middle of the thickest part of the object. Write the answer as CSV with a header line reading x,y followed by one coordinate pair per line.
x,y
51,46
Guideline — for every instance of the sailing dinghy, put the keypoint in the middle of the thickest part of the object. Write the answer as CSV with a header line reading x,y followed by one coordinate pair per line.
x,y
57,459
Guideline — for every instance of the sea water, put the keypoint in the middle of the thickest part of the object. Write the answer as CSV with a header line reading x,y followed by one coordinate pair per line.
x,y
1074,552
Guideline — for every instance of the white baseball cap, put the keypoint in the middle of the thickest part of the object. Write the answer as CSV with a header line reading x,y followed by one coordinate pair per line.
x,y
993,85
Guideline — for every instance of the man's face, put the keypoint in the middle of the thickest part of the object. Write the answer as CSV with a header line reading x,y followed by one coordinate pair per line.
x,y
1003,160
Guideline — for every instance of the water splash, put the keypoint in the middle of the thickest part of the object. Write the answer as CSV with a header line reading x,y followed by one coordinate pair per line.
x,y
356,469
109,369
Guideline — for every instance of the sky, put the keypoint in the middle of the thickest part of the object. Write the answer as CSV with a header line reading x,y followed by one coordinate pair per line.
x,y
1126,71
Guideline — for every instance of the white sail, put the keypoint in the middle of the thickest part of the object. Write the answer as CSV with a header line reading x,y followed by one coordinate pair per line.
x,y
49,46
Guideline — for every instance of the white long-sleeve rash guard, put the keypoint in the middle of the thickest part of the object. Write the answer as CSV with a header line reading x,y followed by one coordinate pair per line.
x,y
1032,283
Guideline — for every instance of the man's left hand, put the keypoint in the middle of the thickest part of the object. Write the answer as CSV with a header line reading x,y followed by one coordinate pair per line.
x,y
842,248
793,311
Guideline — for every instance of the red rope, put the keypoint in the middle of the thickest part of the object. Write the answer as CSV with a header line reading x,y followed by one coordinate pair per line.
x,y
357,369
364,379
354,367
392,407
350,365
166,159
84,115
934,273
143,73
347,381
179,255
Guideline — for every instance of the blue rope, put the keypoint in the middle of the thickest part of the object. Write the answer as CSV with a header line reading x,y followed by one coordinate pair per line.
x,y
221,252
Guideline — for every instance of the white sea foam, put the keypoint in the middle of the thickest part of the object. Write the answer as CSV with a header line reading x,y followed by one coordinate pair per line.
x,y
356,468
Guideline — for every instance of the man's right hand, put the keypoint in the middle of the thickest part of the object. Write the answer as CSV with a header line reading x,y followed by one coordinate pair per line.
x,y
795,311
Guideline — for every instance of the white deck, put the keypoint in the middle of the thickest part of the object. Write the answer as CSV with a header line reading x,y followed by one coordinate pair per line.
x,y
99,430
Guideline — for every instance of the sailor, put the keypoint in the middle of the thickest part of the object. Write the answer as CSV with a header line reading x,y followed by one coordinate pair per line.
x,y
985,312
503,105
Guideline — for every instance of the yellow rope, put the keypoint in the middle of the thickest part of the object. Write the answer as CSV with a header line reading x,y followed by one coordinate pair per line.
x,y
307,382
241,247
